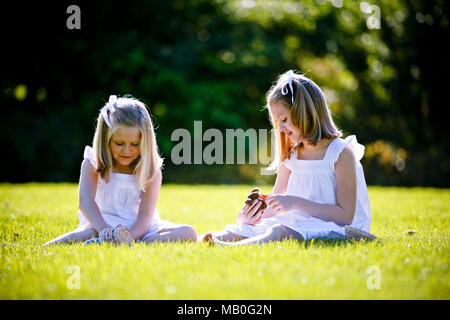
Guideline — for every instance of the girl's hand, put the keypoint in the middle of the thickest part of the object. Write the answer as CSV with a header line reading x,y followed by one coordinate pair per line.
x,y
118,234
250,214
281,202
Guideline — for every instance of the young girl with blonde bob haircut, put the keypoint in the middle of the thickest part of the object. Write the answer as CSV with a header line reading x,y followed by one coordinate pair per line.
x,y
120,181
320,190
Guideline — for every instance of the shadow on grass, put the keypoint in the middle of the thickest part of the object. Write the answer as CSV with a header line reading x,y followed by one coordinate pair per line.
x,y
305,244
326,242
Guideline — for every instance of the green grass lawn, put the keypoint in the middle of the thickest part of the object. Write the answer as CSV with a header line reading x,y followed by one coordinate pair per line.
x,y
403,266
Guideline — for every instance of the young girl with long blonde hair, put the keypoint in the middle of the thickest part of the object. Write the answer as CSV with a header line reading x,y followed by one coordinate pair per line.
x,y
120,181
320,190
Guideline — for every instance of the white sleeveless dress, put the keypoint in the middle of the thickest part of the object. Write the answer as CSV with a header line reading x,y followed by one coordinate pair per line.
x,y
315,180
118,201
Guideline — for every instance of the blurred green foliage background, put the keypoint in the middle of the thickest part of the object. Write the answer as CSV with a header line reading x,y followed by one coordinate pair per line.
x,y
383,66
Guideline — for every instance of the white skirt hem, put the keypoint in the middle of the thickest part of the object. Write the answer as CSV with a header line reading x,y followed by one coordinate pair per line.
x,y
309,228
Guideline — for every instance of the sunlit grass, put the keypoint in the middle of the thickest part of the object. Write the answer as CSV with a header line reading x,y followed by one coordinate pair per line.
x,y
410,266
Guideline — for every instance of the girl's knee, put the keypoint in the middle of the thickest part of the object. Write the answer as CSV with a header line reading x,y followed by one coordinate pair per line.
x,y
280,232
188,232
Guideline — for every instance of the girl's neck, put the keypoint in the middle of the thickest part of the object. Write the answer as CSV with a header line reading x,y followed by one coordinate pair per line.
x,y
308,151
117,168
321,144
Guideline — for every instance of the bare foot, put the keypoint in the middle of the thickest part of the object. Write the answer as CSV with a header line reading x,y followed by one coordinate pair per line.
x,y
206,237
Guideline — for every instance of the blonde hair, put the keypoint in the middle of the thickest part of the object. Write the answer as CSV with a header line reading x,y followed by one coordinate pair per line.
x,y
308,110
129,112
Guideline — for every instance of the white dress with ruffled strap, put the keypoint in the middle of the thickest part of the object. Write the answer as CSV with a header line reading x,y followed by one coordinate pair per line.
x,y
315,180
118,201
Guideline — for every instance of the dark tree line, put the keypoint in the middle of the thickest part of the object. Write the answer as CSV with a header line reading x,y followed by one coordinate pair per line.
x,y
214,61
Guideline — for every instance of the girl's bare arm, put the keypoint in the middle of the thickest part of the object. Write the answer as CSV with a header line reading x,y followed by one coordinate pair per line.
x,y
280,187
147,207
86,193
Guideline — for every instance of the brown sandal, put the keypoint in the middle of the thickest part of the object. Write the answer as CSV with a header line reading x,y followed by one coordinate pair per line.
x,y
352,233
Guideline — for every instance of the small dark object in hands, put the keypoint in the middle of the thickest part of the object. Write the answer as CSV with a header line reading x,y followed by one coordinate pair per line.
x,y
255,195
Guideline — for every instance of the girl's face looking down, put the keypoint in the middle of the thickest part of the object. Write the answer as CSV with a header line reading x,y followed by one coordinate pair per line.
x,y
282,115
124,144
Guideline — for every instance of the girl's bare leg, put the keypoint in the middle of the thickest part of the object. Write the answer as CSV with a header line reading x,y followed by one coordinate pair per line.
x,y
182,233
220,235
74,236
276,233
